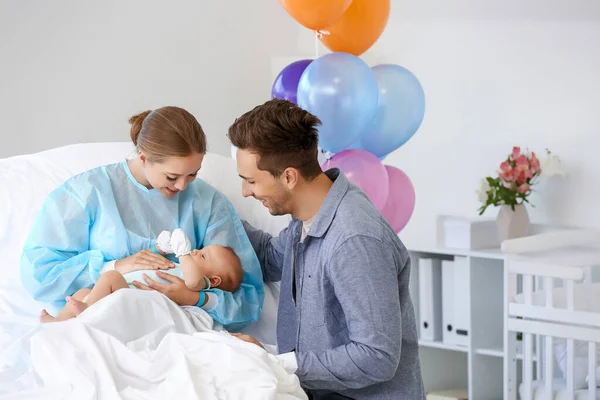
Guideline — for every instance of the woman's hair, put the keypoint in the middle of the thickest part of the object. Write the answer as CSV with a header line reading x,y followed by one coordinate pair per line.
x,y
167,132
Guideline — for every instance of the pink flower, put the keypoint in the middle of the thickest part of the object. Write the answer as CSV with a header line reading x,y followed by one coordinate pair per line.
x,y
523,188
506,176
523,176
506,173
535,163
516,152
522,164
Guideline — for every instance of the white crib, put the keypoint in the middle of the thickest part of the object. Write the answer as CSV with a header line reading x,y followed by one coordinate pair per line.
x,y
552,298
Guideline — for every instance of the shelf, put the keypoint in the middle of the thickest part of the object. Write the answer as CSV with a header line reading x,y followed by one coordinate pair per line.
x,y
443,346
490,254
490,352
498,352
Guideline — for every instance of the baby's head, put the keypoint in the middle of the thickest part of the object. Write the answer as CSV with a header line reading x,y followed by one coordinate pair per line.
x,y
221,266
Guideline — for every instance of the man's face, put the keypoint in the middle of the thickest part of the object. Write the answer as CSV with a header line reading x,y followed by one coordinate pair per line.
x,y
272,192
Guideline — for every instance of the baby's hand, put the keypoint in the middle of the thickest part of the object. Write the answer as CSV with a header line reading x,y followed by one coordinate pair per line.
x,y
163,242
180,243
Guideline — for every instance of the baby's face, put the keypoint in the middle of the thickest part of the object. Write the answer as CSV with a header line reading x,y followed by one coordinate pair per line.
x,y
212,260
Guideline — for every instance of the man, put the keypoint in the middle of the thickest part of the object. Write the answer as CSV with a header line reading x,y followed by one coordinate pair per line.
x,y
345,315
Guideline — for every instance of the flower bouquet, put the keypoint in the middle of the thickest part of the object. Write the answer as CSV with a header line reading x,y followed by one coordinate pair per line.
x,y
511,188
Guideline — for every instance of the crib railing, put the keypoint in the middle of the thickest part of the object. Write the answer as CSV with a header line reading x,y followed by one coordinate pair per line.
x,y
540,264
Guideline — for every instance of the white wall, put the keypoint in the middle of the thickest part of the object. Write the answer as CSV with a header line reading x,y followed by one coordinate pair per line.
x,y
497,74
73,71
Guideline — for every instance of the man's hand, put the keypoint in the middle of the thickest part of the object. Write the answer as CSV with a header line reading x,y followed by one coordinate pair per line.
x,y
247,338
176,291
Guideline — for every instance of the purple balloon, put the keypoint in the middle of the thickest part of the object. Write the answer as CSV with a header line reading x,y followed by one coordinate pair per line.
x,y
401,199
285,86
365,171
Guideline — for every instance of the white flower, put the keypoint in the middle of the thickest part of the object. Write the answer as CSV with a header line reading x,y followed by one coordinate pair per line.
x,y
482,191
552,166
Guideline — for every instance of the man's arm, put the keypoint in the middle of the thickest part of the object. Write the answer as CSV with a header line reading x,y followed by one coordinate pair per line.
x,y
364,274
269,249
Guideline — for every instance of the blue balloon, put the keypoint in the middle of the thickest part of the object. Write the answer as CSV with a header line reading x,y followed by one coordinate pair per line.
x,y
400,111
341,90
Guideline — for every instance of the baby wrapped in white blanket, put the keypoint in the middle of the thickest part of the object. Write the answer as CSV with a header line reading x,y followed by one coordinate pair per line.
x,y
139,344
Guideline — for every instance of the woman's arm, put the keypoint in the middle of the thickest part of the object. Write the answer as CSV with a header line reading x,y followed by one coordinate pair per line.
x,y
56,259
234,310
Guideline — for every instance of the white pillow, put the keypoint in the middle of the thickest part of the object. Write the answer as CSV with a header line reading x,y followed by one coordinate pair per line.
x,y
27,180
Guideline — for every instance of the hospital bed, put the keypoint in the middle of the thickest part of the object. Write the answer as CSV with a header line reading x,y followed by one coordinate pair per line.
x,y
26,181
553,304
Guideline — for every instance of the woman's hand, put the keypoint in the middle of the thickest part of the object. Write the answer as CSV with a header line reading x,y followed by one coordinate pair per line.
x,y
177,291
144,259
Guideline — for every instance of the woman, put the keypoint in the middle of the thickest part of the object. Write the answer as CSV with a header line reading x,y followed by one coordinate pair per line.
x,y
109,218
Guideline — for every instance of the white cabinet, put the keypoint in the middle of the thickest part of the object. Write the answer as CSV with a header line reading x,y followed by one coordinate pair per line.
x,y
469,354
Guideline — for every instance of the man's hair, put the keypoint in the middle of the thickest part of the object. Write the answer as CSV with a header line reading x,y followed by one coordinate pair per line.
x,y
282,134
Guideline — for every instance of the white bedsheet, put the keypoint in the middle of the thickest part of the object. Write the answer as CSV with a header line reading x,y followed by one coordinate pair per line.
x,y
137,345
149,345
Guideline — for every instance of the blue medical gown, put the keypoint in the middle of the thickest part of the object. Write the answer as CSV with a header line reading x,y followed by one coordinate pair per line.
x,y
104,215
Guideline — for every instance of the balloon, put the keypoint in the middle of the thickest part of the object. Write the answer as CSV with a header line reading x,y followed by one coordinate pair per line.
x,y
316,14
365,171
341,90
285,86
359,28
400,203
399,113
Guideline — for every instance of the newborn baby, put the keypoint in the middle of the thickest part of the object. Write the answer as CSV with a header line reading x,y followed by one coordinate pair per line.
x,y
213,266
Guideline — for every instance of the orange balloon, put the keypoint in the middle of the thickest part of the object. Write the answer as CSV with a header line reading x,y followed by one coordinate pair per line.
x,y
359,28
316,14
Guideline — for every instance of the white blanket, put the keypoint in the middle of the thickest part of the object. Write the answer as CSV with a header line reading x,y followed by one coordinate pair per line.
x,y
135,344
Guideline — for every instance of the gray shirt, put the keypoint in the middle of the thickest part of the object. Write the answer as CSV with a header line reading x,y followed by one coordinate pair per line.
x,y
347,314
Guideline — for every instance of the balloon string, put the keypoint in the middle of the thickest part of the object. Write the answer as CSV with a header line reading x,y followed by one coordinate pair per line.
x,y
318,36
327,154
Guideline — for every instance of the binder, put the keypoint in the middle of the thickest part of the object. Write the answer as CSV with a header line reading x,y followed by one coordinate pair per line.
x,y
430,299
456,312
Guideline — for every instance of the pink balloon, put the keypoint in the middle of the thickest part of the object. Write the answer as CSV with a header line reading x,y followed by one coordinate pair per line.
x,y
365,171
400,203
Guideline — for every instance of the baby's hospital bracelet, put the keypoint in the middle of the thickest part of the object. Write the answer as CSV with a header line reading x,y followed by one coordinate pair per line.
x,y
202,299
